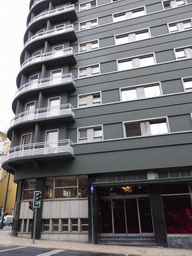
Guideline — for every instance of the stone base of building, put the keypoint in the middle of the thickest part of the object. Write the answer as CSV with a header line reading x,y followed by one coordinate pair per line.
x,y
179,241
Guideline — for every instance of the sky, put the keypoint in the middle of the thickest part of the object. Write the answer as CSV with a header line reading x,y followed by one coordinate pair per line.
x,y
13,16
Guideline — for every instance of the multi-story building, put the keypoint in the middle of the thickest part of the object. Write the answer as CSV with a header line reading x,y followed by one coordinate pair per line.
x,y
104,101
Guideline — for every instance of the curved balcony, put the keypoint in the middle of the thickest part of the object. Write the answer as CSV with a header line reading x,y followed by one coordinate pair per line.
x,y
48,56
55,149
66,79
56,33
62,57
65,111
66,11
33,3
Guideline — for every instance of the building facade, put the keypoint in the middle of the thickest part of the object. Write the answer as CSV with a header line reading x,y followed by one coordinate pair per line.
x,y
103,124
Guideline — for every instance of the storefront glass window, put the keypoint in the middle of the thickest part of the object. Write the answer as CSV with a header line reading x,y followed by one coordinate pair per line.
x,y
178,214
28,188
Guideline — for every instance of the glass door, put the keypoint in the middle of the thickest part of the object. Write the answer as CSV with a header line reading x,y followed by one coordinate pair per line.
x,y
126,215
30,109
54,108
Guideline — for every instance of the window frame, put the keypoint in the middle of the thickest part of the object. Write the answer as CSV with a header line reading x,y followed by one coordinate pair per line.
x,y
182,79
184,48
176,22
136,57
89,94
140,86
88,42
129,10
143,121
172,7
90,66
132,32
86,21
86,128
87,2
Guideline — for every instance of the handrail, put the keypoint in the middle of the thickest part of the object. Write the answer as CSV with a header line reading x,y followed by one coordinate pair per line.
x,y
41,148
48,55
49,81
47,13
63,109
36,2
48,32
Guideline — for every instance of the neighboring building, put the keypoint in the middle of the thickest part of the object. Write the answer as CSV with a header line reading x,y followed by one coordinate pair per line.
x,y
104,98
8,194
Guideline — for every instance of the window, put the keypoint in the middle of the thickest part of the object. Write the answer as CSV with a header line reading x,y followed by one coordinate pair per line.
x,y
90,134
66,187
87,5
187,83
140,92
54,106
26,141
89,71
89,46
88,24
55,225
129,14
182,53
84,224
52,137
45,224
173,3
65,225
150,127
180,26
34,80
89,99
74,225
28,189
140,61
37,54
133,36
30,109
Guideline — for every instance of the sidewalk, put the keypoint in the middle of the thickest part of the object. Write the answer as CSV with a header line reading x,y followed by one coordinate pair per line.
x,y
7,239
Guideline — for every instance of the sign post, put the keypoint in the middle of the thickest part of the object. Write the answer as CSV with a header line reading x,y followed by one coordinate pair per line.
x,y
91,192
36,204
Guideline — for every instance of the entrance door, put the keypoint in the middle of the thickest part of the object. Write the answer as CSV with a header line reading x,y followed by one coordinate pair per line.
x,y
126,216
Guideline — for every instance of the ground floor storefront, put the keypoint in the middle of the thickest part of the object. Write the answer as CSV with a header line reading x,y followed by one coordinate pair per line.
x,y
109,209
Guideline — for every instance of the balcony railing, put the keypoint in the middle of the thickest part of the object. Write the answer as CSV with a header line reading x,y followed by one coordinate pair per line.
x,y
46,82
41,148
59,9
51,32
48,56
47,112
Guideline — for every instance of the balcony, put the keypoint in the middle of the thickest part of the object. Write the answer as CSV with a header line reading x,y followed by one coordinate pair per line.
x,y
66,11
66,81
36,2
40,150
68,30
49,56
65,111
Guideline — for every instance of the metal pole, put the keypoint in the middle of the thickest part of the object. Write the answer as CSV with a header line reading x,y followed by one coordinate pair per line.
x,y
34,225
92,222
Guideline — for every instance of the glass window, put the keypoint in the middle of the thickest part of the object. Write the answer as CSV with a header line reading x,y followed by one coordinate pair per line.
x,y
151,127
122,39
28,189
178,214
129,14
125,64
89,71
89,99
187,83
88,24
173,3
152,91
48,192
52,138
55,225
45,224
89,46
180,53
147,61
65,225
84,224
87,5
74,225
90,134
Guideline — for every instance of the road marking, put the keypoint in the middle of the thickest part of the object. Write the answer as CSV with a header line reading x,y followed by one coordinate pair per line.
x,y
12,249
50,253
